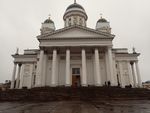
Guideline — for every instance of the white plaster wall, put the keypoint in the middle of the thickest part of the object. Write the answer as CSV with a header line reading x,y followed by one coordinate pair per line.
x,y
124,73
90,72
27,76
62,72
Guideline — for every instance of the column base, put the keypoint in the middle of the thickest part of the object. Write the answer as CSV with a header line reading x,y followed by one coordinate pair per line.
x,y
84,85
53,85
67,85
98,85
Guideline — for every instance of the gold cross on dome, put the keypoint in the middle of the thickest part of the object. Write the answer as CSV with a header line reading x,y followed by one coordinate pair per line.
x,y
101,15
49,16
75,1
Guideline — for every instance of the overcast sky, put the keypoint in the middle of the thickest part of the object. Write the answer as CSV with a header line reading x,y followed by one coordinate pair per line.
x,y
20,22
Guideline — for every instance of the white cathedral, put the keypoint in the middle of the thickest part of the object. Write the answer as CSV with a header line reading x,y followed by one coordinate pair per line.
x,y
75,56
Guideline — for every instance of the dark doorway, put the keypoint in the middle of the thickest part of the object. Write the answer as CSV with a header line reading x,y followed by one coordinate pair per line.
x,y
76,77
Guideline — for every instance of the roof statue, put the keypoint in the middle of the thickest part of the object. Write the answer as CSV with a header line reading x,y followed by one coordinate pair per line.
x,y
17,51
134,51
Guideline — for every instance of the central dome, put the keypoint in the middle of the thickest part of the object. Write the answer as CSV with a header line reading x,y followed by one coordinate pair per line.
x,y
75,5
75,14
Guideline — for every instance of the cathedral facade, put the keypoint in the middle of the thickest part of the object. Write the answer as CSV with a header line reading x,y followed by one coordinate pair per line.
x,y
75,56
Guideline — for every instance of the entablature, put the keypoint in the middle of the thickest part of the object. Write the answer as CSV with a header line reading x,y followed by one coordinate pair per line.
x,y
25,58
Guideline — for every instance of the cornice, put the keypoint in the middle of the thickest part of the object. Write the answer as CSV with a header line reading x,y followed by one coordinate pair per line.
x,y
127,54
76,26
24,56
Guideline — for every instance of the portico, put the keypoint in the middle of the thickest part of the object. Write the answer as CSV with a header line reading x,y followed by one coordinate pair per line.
x,y
78,57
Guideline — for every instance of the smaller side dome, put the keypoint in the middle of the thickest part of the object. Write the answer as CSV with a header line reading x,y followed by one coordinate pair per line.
x,y
102,20
48,21
103,25
47,26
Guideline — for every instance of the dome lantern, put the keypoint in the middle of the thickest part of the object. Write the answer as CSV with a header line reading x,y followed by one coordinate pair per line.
x,y
75,15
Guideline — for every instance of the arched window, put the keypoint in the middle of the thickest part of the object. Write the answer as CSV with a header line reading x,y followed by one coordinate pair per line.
x,y
81,22
69,23
75,20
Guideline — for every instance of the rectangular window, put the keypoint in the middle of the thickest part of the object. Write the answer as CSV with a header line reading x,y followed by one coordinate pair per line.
x,y
76,71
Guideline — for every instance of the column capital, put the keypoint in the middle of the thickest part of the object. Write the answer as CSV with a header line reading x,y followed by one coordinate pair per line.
x,y
67,49
20,64
82,48
96,48
131,62
109,47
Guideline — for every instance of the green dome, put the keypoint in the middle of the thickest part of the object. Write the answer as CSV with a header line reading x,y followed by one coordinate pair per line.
x,y
75,5
48,21
102,20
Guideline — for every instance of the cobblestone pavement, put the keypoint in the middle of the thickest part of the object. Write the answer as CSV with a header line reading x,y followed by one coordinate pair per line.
x,y
77,107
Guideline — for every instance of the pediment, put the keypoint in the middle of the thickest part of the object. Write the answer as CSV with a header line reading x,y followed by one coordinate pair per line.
x,y
77,32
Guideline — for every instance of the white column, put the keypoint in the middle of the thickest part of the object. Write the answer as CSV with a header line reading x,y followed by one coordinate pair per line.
x,y
121,75
107,67
44,70
13,77
138,74
97,68
133,74
53,78
84,72
18,76
40,69
110,65
68,78
130,74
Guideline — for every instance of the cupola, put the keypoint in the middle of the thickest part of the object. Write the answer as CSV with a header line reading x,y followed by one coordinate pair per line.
x,y
47,26
103,25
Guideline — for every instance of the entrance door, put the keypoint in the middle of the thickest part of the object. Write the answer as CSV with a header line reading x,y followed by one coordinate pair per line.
x,y
75,77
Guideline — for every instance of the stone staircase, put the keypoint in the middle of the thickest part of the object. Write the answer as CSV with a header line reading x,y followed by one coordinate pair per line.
x,y
69,93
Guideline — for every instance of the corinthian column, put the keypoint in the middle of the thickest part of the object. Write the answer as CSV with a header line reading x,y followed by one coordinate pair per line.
x,y
40,69
110,66
13,77
138,74
68,79
133,74
97,68
53,78
18,76
84,73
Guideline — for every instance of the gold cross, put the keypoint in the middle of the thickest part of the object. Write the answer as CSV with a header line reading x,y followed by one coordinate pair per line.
x,y
101,15
75,1
49,16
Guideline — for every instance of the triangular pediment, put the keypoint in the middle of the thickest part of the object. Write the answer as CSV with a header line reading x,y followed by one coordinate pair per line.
x,y
77,32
